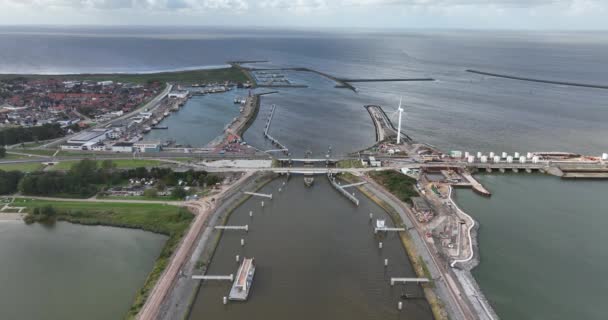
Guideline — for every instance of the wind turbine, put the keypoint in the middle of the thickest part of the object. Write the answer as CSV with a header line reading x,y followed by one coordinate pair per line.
x,y
400,110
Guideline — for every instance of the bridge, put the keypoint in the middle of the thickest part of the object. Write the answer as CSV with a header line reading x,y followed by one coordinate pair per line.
x,y
409,280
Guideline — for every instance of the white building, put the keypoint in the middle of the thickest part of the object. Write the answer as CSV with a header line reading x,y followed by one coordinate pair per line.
x,y
72,146
147,146
178,94
123,147
105,83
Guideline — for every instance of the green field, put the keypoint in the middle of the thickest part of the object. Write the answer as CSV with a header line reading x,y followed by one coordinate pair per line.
x,y
119,163
24,167
165,219
397,183
193,76
38,152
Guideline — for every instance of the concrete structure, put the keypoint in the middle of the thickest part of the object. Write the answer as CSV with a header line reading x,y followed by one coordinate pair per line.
x,y
147,146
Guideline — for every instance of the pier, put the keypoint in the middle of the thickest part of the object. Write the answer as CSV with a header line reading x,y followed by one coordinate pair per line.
x,y
477,187
562,83
268,136
338,187
245,228
269,196
217,278
354,184
387,229
388,80
409,280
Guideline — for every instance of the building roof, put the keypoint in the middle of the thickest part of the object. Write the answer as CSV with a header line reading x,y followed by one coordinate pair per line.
x,y
89,135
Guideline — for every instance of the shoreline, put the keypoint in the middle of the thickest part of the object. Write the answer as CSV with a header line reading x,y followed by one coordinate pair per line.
x,y
464,275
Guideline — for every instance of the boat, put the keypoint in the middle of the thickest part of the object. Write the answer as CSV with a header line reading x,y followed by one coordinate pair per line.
x,y
243,281
166,114
147,129
309,180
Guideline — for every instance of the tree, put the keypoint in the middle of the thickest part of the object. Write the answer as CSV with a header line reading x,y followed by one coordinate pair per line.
x,y
108,165
2,152
178,193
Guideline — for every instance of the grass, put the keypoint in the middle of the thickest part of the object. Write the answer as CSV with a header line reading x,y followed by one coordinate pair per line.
x,y
120,164
396,183
349,164
24,167
159,198
38,152
191,76
168,220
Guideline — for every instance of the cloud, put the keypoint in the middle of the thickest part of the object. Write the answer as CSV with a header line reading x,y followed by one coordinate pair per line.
x,y
290,4
153,5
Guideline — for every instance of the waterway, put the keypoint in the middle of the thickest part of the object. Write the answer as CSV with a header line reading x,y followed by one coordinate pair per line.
x,y
201,120
542,246
316,258
70,271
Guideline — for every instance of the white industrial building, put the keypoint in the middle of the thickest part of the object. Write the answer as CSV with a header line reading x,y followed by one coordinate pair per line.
x,y
95,135
86,140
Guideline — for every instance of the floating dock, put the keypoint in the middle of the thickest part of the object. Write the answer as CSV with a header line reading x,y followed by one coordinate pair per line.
x,y
244,279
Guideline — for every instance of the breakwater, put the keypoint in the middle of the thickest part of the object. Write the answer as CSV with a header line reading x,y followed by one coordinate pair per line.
x,y
563,83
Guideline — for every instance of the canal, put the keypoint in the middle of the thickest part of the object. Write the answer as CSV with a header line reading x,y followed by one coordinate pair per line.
x,y
317,258
542,245
71,271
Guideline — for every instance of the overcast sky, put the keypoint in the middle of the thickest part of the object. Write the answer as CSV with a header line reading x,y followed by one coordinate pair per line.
x,y
476,14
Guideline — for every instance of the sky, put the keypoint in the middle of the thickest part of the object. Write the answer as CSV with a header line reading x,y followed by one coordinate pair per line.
x,y
345,14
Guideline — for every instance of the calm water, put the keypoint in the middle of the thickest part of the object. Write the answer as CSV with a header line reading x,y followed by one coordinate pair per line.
x,y
316,259
542,245
459,111
72,272
201,120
